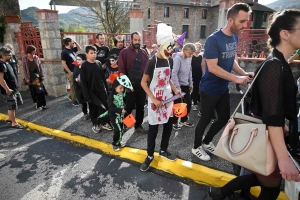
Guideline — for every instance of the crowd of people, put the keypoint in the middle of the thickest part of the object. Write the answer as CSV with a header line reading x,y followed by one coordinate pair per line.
x,y
110,83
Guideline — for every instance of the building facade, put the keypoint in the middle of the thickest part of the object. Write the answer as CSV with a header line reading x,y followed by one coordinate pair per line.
x,y
198,18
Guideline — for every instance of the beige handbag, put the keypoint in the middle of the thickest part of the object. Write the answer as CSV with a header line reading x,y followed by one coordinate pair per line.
x,y
245,142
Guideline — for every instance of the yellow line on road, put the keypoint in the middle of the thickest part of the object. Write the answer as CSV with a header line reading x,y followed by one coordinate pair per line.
x,y
185,169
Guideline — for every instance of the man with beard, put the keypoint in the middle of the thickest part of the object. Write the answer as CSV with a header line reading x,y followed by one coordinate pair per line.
x,y
67,58
102,50
9,88
220,53
132,62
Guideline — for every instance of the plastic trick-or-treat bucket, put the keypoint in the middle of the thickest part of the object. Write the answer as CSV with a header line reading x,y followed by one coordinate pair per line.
x,y
129,121
180,109
112,77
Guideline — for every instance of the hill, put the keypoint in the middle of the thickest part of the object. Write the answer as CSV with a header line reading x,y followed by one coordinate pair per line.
x,y
284,4
70,19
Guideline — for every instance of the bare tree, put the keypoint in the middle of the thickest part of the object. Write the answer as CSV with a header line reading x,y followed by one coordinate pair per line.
x,y
112,15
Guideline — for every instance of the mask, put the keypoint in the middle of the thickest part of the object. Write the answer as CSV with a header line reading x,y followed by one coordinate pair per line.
x,y
166,48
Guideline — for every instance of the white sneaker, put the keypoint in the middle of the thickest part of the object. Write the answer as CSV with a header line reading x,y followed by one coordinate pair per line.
x,y
209,147
107,127
195,107
201,154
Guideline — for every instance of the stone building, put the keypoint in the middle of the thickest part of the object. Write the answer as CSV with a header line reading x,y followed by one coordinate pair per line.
x,y
199,18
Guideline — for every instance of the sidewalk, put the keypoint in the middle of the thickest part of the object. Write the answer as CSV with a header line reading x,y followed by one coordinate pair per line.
x,y
64,120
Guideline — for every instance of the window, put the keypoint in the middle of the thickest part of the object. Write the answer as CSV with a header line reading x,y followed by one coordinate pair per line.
x,y
149,14
203,31
204,13
265,16
186,13
185,28
166,11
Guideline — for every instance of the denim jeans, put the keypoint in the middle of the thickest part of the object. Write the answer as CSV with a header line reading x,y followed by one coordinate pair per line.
x,y
209,103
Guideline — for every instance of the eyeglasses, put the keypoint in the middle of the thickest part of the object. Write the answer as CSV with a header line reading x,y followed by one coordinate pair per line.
x,y
79,59
7,54
112,61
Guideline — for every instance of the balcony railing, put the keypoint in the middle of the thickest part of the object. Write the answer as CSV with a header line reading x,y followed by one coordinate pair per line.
x,y
253,42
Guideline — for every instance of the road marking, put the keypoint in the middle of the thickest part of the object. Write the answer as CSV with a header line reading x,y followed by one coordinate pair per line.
x,y
34,111
52,192
71,121
21,148
185,191
81,168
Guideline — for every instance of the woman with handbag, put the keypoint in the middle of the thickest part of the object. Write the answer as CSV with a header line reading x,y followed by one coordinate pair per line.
x,y
274,100
31,66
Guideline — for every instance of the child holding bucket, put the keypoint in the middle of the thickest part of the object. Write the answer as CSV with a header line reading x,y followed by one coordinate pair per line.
x,y
116,109
158,69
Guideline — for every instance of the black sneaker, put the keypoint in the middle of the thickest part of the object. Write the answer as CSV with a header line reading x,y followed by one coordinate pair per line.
x,y
176,126
215,193
146,164
75,103
86,117
167,155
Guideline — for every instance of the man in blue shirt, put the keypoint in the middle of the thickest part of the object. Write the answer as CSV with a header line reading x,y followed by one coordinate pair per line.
x,y
220,53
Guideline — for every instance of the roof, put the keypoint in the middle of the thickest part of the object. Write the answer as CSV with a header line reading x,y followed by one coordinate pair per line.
x,y
183,3
260,7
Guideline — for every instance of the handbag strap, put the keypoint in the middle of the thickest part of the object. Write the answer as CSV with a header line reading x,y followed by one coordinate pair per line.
x,y
138,60
255,76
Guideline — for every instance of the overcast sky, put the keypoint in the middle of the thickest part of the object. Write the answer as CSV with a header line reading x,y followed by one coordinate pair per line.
x,y
44,4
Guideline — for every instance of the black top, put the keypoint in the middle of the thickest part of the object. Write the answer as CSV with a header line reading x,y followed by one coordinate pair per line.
x,y
69,56
93,82
274,94
13,63
9,77
102,53
150,66
33,69
77,85
196,69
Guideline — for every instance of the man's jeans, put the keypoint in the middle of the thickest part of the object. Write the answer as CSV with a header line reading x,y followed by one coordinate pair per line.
x,y
209,103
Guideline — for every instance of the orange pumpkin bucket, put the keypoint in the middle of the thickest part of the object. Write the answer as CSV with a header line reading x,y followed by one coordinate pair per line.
x,y
180,109
129,121
112,77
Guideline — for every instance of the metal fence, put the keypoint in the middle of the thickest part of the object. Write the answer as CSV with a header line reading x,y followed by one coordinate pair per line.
x,y
28,35
253,43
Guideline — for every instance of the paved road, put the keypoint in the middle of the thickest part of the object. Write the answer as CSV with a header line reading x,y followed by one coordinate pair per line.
x,y
34,167
63,116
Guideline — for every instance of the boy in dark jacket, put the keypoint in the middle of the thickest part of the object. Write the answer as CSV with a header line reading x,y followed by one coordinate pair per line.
x,y
94,89
80,59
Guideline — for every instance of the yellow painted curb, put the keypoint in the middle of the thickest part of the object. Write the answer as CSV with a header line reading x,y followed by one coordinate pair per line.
x,y
185,169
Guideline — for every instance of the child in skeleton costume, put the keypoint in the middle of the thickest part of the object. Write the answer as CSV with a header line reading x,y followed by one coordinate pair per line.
x,y
116,109
158,69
